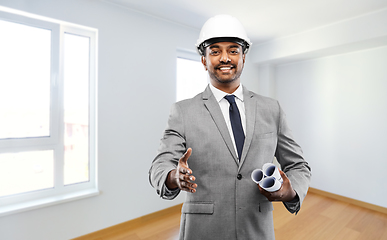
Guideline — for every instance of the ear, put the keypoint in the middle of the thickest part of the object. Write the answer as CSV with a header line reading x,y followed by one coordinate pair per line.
x,y
204,62
244,55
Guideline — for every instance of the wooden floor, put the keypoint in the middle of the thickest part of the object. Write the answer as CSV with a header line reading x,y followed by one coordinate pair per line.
x,y
320,218
323,218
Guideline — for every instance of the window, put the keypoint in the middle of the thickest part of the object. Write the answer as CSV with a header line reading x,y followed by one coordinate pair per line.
x,y
47,111
190,74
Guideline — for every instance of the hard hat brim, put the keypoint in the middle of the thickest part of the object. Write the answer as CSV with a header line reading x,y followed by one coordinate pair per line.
x,y
245,45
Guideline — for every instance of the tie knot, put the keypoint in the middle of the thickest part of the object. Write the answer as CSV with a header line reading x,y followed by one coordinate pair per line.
x,y
230,99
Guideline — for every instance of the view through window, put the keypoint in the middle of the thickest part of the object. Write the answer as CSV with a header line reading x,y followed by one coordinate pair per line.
x,y
76,104
191,78
25,92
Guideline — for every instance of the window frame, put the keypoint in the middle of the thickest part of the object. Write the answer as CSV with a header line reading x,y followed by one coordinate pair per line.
x,y
55,141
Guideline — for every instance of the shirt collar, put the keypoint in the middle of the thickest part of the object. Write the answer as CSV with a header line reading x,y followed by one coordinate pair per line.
x,y
219,94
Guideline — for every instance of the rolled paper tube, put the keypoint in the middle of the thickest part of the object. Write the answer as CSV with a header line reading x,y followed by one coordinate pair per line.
x,y
270,184
271,170
257,175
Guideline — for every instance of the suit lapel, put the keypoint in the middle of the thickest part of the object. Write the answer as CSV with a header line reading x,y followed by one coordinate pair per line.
x,y
250,110
213,107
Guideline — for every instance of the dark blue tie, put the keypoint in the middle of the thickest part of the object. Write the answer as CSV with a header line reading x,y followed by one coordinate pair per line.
x,y
236,124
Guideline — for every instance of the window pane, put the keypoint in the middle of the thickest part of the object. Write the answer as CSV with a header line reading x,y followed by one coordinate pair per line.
x,y
191,78
24,81
26,171
76,108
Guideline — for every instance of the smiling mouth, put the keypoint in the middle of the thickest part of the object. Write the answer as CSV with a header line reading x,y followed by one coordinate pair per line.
x,y
225,69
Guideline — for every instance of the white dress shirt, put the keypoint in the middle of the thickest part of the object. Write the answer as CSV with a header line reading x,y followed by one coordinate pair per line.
x,y
225,105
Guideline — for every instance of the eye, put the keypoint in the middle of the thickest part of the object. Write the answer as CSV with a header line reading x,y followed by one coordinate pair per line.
x,y
234,51
214,52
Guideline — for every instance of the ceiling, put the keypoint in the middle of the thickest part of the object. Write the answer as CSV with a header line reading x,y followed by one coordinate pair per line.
x,y
264,20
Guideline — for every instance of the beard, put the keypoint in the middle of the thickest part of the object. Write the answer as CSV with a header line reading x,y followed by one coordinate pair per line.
x,y
216,75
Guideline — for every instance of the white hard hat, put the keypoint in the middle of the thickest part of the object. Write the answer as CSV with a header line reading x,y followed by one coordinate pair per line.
x,y
222,28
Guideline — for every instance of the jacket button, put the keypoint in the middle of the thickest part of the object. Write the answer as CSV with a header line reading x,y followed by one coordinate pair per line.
x,y
239,176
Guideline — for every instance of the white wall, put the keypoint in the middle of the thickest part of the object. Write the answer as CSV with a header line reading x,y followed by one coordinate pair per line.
x,y
332,82
337,107
136,89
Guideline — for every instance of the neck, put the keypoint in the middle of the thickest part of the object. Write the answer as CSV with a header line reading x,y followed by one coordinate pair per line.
x,y
226,87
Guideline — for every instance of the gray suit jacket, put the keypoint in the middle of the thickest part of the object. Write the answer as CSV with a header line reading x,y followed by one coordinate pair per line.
x,y
227,203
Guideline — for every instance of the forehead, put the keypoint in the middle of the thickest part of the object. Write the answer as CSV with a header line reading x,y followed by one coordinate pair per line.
x,y
225,45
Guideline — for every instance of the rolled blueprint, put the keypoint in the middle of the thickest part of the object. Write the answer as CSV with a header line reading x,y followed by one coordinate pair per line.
x,y
269,178
257,175
270,184
270,170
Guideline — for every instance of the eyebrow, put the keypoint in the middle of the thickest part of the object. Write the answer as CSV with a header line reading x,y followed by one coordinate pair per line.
x,y
217,46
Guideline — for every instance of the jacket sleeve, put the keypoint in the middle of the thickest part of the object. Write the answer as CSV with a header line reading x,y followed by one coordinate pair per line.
x,y
290,157
171,149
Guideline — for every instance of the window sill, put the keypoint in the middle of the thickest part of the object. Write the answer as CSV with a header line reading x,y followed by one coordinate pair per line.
x,y
48,201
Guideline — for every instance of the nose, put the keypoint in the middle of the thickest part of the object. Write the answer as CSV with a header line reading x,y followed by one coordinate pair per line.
x,y
224,57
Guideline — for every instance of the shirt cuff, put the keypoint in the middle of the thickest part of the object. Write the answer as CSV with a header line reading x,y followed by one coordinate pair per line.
x,y
169,193
293,206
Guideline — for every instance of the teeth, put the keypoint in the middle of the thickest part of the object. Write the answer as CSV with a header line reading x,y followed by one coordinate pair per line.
x,y
225,68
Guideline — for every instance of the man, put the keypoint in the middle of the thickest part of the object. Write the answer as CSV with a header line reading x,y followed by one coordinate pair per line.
x,y
215,140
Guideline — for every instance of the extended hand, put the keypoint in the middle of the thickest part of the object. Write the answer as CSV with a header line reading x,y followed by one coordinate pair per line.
x,y
181,177
285,194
